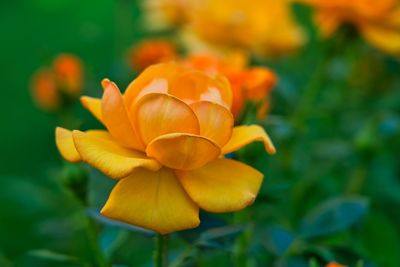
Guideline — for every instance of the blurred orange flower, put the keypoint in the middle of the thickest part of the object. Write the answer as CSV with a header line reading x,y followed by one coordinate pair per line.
x,y
265,27
165,144
377,21
252,84
334,264
63,79
151,52
44,90
68,73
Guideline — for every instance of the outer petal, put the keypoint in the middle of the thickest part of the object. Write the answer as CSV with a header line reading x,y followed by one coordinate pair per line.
x,y
98,149
65,145
116,117
246,134
183,151
384,38
158,114
216,122
222,185
153,200
93,105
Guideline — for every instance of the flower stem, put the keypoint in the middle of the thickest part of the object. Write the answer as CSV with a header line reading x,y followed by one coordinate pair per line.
x,y
161,251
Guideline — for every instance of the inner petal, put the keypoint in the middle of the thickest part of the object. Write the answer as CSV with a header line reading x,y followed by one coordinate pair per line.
x,y
159,114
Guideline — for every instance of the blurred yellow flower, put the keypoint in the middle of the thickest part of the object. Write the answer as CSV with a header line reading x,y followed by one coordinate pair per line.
x,y
166,138
265,27
64,79
247,84
161,14
151,52
378,21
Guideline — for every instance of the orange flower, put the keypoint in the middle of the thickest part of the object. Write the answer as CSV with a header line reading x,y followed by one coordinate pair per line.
x,y
252,84
265,27
151,52
44,90
165,144
334,264
377,21
68,73
64,79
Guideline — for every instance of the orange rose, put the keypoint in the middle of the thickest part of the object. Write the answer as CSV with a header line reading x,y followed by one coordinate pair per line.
x,y
165,142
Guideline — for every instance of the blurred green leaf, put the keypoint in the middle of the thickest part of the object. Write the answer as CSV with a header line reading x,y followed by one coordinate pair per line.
x,y
52,255
333,215
277,240
378,239
111,238
219,238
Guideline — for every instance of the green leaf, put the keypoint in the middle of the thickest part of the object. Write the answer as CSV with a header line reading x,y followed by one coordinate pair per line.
x,y
52,255
332,216
219,238
379,240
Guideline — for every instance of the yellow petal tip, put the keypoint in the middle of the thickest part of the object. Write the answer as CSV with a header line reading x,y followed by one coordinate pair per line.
x,y
105,83
66,146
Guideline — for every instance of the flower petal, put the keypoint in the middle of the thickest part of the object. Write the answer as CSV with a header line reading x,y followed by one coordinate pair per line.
x,y
93,105
116,117
98,149
159,114
246,134
151,80
222,185
192,86
152,200
216,122
183,151
385,38
66,146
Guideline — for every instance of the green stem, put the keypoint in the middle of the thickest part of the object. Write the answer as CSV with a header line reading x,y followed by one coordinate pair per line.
x,y
161,251
97,253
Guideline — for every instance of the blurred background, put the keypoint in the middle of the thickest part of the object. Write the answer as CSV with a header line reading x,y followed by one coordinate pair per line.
x,y
331,193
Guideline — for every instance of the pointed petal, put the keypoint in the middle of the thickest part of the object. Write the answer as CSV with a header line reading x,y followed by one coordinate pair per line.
x,y
116,117
222,185
183,151
216,122
66,146
246,134
158,114
93,105
152,200
98,149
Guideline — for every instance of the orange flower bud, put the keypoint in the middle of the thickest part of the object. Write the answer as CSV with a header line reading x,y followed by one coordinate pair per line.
x,y
64,80
151,52
68,73
44,90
